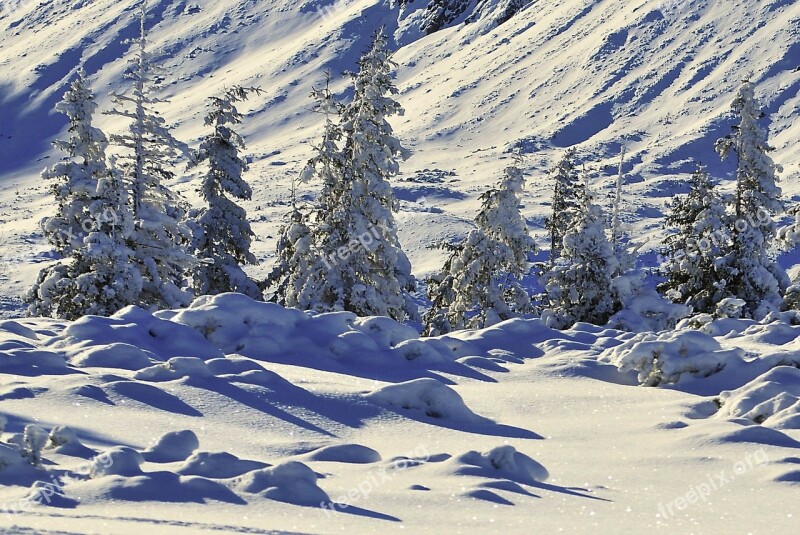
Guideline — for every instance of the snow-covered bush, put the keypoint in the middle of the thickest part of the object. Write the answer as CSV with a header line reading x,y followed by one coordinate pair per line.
x,y
503,461
648,312
172,447
116,461
772,399
665,358
174,368
35,439
291,482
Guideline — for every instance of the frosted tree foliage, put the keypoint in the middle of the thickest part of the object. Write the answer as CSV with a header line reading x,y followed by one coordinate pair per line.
x,y
294,280
222,233
480,282
567,191
580,285
304,275
77,174
97,277
755,277
353,260
376,279
695,267
161,238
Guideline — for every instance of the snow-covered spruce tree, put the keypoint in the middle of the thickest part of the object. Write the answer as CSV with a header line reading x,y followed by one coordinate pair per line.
x,y
100,277
580,285
161,238
695,250
294,281
77,174
307,274
755,276
567,190
480,282
376,277
221,231
91,227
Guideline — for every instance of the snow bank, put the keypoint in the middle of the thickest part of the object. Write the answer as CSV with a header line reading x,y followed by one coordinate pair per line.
x,y
290,482
665,358
502,462
116,355
94,338
239,325
772,399
429,396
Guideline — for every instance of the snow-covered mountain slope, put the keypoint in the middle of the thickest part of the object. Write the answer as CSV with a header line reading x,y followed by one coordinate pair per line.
x,y
653,75
240,417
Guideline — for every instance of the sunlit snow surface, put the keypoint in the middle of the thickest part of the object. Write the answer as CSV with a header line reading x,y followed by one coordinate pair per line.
x,y
330,423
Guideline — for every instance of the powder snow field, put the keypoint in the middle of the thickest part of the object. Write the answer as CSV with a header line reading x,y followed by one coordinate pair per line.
x,y
235,416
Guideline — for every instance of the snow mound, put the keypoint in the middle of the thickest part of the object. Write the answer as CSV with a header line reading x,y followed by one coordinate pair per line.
x,y
64,441
772,399
175,368
116,355
45,493
30,361
117,461
503,462
290,482
429,396
217,465
664,358
134,327
345,453
236,324
172,447
163,487
10,457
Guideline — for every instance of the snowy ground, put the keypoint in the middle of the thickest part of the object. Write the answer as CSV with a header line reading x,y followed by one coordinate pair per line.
x,y
657,76
389,432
